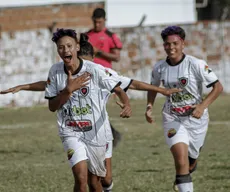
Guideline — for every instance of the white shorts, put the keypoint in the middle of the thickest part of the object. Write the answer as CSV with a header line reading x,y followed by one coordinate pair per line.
x,y
188,130
78,151
109,149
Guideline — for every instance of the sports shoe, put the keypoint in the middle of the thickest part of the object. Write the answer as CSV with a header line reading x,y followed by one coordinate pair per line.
x,y
175,188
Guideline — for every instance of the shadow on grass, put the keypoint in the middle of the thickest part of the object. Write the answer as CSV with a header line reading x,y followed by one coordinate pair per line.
x,y
146,171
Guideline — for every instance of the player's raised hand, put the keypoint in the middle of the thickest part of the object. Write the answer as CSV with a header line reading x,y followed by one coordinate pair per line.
x,y
126,111
168,92
11,90
148,114
74,84
198,111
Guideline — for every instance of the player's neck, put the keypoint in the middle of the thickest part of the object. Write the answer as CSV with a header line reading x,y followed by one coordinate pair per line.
x,y
176,61
74,67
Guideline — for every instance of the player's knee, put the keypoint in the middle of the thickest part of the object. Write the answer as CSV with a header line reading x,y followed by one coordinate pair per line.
x,y
81,180
94,184
106,181
181,162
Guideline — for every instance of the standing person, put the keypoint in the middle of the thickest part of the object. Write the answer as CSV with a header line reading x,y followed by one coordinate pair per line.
x,y
185,114
105,43
81,116
106,47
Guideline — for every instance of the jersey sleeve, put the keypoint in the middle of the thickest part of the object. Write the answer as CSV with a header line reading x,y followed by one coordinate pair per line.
x,y
206,75
155,76
51,87
115,42
125,81
106,80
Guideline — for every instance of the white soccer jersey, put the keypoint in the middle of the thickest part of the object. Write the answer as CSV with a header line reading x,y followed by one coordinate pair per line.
x,y
125,83
84,114
189,74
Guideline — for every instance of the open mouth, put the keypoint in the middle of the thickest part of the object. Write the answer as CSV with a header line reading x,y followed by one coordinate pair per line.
x,y
67,58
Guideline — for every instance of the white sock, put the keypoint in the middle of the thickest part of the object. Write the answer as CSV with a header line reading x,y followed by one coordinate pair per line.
x,y
185,187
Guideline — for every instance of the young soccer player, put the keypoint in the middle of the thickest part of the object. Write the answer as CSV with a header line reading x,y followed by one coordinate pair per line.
x,y
185,114
81,113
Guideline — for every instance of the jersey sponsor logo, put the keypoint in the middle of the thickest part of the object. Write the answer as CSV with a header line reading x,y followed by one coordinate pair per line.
x,y
70,153
171,132
84,91
76,111
178,97
183,81
182,111
79,125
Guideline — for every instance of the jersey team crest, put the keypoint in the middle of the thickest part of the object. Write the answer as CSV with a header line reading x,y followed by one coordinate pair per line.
x,y
183,81
84,91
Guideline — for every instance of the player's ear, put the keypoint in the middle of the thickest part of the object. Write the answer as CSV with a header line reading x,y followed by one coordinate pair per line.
x,y
183,45
78,47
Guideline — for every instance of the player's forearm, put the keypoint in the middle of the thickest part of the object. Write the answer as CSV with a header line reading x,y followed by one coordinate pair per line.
x,y
57,102
211,97
38,86
138,85
109,56
151,97
122,95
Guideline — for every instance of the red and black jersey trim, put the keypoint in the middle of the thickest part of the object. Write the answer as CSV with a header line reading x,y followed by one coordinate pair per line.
x,y
168,61
110,34
118,84
126,89
78,69
50,98
211,84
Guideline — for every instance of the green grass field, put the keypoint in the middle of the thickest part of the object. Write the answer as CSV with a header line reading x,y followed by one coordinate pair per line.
x,y
32,158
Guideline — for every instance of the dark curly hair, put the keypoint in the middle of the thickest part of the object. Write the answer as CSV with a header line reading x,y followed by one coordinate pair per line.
x,y
173,30
64,32
98,13
86,49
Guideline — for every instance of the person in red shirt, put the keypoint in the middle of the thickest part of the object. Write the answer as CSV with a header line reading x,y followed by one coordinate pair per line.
x,y
106,44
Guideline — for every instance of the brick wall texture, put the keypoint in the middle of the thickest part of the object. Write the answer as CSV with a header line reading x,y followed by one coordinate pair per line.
x,y
27,53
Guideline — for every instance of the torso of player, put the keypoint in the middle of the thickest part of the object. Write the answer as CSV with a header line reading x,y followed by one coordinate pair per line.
x,y
185,76
103,41
84,114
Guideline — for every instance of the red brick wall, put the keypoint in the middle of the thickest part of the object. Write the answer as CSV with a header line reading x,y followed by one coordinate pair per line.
x,y
35,17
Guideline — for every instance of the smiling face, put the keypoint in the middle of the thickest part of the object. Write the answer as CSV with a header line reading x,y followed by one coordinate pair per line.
x,y
67,48
174,46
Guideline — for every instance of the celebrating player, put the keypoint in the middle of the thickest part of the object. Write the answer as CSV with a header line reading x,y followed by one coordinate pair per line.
x,y
185,114
81,115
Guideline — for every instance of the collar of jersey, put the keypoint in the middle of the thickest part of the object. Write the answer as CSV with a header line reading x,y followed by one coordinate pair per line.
x,y
78,69
168,61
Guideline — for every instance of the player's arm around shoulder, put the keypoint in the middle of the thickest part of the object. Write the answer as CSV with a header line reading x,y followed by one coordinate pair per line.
x,y
125,105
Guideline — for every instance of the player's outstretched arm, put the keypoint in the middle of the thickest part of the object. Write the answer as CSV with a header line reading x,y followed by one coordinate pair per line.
x,y
37,86
125,105
150,101
73,84
139,85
